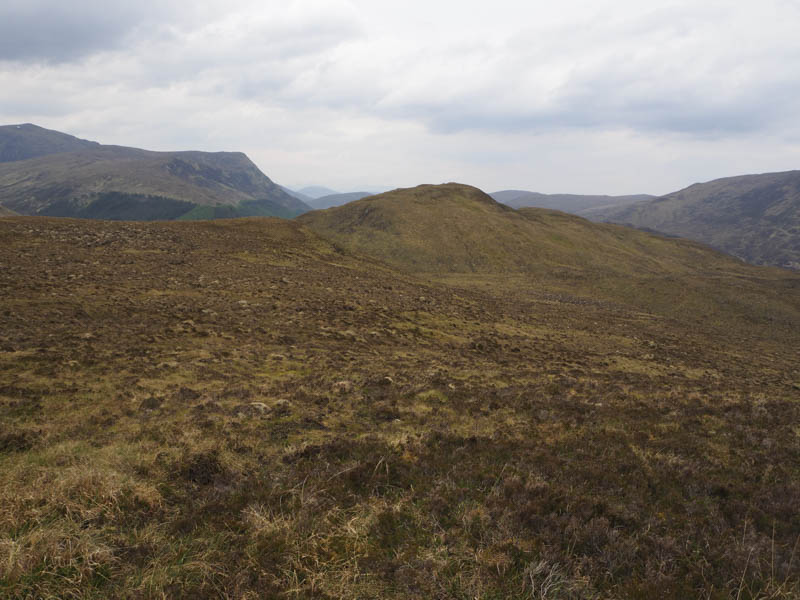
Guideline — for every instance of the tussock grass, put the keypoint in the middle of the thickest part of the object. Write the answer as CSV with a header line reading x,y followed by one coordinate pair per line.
x,y
219,434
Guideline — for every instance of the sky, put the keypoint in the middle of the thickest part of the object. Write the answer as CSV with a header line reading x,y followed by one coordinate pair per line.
x,y
574,96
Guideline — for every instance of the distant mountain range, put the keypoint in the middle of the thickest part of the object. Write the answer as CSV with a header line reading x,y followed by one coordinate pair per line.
x,y
753,217
571,203
316,199
316,191
46,172
336,199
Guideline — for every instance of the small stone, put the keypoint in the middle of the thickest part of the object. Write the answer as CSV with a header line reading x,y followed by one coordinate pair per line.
x,y
386,381
259,407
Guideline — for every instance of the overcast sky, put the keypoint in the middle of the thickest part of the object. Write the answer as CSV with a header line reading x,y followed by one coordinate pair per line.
x,y
582,96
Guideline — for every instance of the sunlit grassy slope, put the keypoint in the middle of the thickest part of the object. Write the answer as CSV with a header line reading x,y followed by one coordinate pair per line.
x,y
242,409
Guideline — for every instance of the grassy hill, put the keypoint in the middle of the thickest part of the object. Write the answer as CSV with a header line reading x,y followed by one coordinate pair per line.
x,y
119,183
243,409
571,203
459,235
454,228
754,217
20,142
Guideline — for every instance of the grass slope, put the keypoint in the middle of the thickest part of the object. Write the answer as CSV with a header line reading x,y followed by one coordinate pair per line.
x,y
754,217
459,235
114,182
458,228
241,409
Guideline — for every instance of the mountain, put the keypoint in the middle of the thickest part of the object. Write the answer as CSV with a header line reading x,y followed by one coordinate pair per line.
x,y
6,212
316,191
571,203
119,183
243,409
336,199
753,217
298,195
20,142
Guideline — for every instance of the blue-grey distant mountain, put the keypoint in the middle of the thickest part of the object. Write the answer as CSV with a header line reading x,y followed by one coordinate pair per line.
x,y
571,203
316,191
336,200
298,195
753,217
75,178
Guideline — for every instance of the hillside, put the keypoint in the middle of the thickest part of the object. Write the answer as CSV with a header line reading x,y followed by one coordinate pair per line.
x,y
20,142
753,217
458,228
460,236
6,212
242,409
336,199
570,203
119,183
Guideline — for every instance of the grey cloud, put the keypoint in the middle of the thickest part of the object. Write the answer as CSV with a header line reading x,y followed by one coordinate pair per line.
x,y
61,31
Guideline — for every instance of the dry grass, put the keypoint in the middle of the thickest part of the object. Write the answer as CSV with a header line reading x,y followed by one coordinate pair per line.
x,y
184,420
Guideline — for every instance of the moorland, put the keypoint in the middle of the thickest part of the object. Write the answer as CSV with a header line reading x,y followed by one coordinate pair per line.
x,y
423,394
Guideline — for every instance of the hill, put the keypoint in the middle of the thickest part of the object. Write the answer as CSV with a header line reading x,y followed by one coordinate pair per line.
x,y
753,217
6,212
570,203
336,199
119,183
458,228
20,142
243,409
459,235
